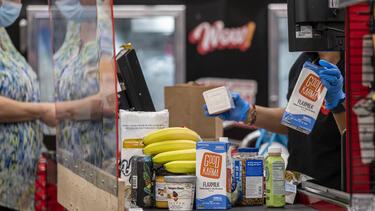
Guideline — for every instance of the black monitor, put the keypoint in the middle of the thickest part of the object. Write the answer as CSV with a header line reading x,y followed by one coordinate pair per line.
x,y
134,94
315,25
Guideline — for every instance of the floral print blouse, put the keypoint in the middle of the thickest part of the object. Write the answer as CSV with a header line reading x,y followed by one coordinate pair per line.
x,y
20,143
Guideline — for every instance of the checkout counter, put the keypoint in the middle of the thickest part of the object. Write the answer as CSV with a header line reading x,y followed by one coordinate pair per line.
x,y
85,87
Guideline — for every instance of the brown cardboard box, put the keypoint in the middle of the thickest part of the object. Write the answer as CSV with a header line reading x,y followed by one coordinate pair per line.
x,y
185,104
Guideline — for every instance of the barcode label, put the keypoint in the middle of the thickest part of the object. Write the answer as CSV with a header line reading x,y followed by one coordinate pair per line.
x,y
304,32
135,182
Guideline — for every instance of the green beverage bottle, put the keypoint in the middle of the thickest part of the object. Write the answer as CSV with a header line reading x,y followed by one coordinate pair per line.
x,y
275,178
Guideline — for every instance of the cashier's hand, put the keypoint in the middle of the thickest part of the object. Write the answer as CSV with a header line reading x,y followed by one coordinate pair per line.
x,y
332,79
238,113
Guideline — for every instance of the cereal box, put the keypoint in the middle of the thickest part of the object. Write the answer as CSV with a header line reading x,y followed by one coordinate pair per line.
x,y
213,169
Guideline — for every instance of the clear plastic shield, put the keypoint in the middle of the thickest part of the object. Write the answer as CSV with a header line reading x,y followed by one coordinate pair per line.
x,y
85,85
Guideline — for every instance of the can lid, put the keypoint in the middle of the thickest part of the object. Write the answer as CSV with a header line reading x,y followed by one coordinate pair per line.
x,y
248,150
274,150
182,178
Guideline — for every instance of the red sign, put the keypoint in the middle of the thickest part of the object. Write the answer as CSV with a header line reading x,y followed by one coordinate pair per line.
x,y
216,37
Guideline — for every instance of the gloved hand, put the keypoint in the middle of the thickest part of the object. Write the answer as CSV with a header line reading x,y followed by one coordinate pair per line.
x,y
238,113
332,79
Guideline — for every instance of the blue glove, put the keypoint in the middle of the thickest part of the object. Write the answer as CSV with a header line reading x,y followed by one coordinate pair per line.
x,y
238,113
332,79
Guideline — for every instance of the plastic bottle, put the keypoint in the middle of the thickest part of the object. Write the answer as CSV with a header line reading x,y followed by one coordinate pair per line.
x,y
275,178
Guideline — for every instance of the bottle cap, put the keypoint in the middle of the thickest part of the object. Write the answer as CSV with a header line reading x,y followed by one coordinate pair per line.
x,y
248,150
274,150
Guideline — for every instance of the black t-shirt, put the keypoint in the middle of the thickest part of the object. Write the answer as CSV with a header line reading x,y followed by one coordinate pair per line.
x,y
318,154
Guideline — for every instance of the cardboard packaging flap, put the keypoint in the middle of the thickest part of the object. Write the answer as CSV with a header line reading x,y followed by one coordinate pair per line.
x,y
185,104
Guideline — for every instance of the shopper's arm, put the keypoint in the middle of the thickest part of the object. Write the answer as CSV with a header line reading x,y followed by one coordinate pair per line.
x,y
269,119
14,111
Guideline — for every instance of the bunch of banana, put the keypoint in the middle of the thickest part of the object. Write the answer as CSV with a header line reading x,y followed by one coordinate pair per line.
x,y
172,133
174,147
167,146
180,166
178,155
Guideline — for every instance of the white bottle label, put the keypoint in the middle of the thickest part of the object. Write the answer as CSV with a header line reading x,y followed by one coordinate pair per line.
x,y
278,178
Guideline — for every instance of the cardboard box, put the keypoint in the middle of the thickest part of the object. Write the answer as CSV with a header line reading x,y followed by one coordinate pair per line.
x,y
185,104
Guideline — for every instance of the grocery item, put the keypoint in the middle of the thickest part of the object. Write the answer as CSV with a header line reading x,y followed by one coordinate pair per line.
x,y
130,148
180,192
141,180
179,155
236,181
172,133
134,126
218,100
306,100
213,175
291,181
180,166
290,192
251,176
161,200
137,124
184,103
166,146
275,178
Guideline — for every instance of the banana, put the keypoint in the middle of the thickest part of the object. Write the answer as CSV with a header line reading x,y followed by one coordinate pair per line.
x,y
166,146
165,157
172,133
180,167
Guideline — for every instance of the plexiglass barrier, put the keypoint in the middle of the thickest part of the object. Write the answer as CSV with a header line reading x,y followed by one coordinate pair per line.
x,y
85,85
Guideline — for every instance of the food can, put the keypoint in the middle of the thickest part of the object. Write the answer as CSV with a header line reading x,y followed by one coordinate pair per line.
x,y
141,180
